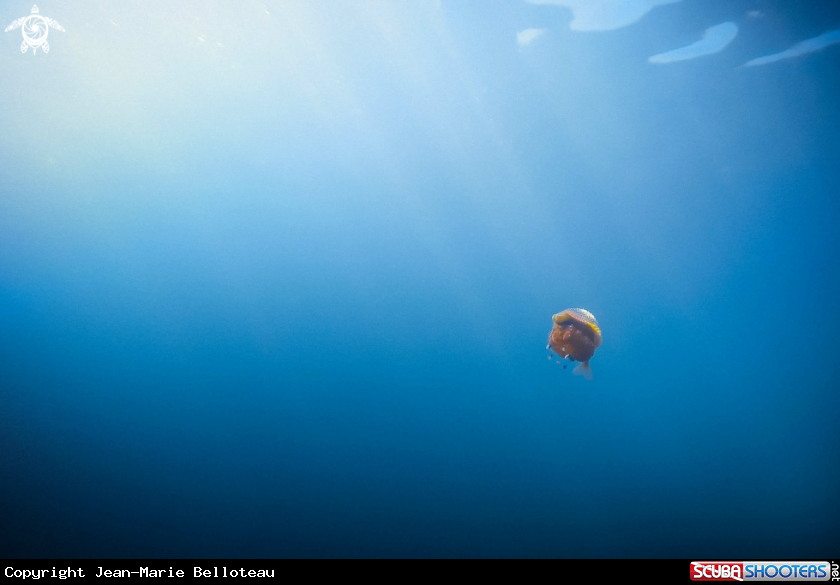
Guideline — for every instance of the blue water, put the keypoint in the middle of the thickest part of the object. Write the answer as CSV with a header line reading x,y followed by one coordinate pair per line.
x,y
276,280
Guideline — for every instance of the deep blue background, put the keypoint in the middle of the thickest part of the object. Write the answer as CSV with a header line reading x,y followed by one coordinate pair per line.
x,y
276,280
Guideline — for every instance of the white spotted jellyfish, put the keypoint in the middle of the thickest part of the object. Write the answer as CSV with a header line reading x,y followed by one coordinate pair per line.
x,y
575,337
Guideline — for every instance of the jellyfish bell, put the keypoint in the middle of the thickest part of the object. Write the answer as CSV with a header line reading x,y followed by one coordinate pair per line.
x,y
575,337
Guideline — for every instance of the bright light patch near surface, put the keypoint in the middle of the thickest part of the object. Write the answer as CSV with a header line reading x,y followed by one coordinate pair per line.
x,y
803,48
528,36
714,40
605,14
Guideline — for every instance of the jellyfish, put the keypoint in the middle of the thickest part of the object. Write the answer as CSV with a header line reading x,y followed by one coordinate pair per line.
x,y
575,337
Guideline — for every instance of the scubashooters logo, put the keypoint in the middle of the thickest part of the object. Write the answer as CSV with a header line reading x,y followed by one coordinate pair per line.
x,y
761,571
712,571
